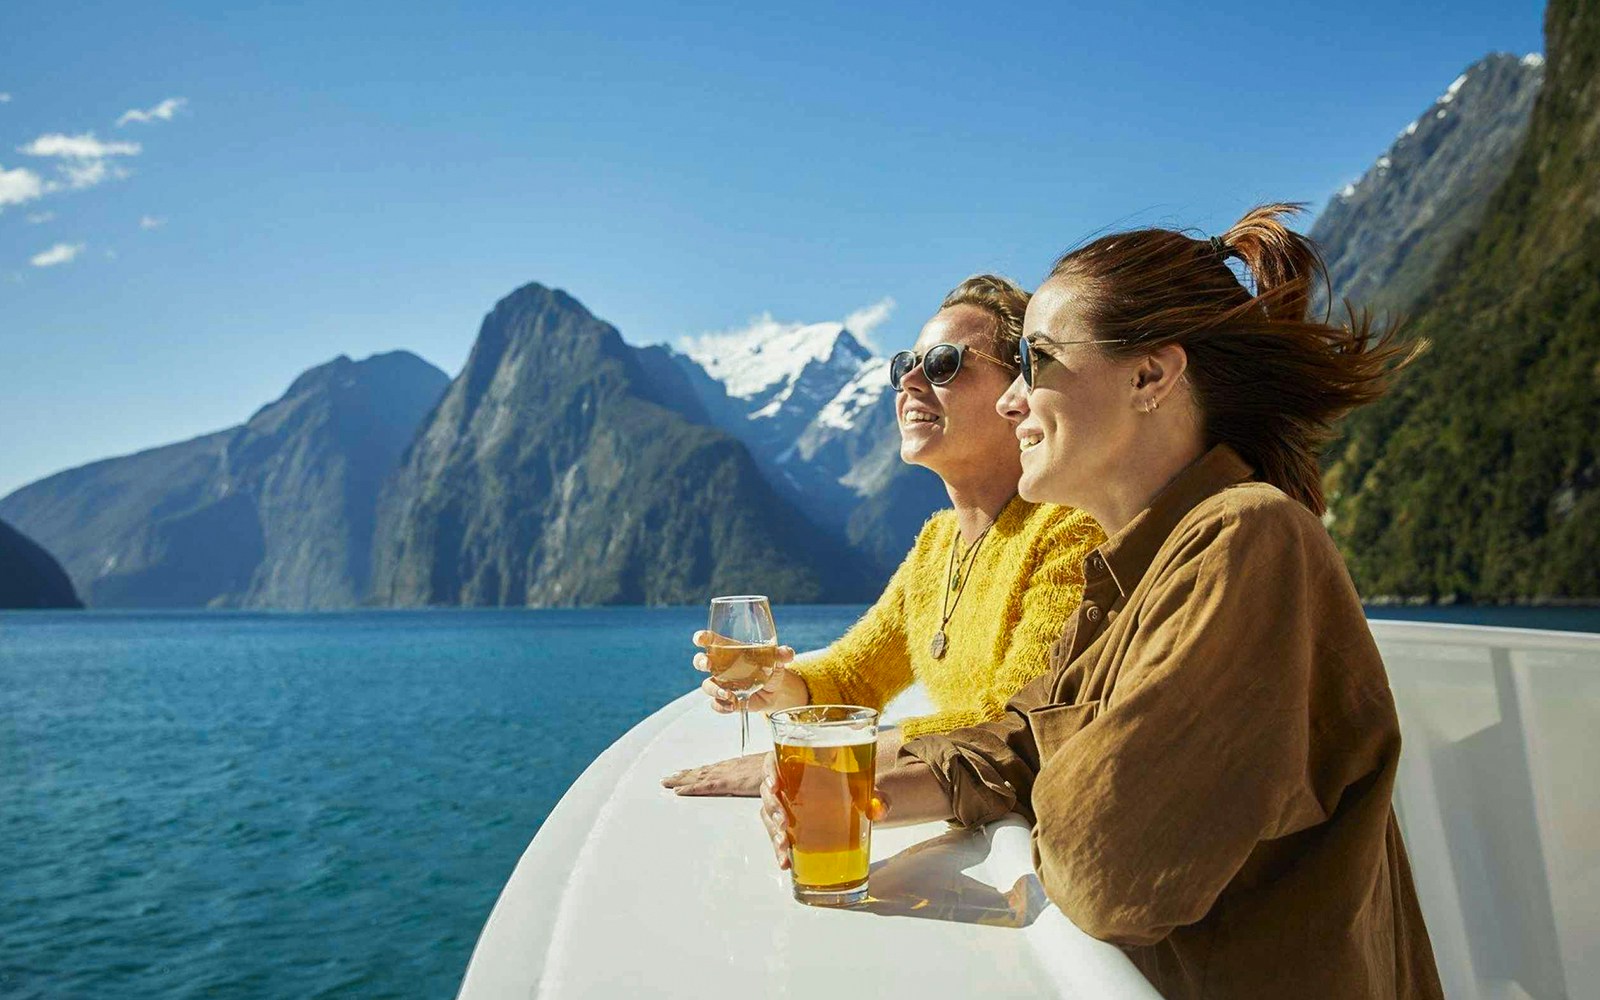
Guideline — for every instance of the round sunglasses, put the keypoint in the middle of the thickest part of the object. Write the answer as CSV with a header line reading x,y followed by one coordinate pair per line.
x,y
941,364
1029,364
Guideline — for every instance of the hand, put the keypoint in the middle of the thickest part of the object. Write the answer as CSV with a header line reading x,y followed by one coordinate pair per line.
x,y
775,815
739,777
782,689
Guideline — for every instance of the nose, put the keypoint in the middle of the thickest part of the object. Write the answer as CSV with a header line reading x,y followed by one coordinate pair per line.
x,y
915,381
1013,405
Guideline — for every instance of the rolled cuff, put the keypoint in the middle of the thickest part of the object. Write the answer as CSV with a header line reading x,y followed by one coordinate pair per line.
x,y
977,791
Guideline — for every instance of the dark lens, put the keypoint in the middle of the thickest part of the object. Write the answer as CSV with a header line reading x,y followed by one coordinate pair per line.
x,y
1025,358
941,363
900,366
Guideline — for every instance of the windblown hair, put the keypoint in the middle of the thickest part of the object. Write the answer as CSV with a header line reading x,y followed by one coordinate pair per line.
x,y
1269,380
1001,298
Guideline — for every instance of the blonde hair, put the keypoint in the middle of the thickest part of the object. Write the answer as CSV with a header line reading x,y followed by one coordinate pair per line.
x,y
1002,299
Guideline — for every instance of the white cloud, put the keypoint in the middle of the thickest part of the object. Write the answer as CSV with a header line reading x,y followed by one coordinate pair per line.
x,y
163,112
88,173
61,253
78,147
37,217
5,98
864,321
19,186
151,222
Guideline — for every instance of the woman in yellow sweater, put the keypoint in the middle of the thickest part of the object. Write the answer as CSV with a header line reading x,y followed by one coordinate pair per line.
x,y
973,610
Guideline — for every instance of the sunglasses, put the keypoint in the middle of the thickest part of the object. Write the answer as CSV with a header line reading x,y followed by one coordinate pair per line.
x,y
1027,351
941,364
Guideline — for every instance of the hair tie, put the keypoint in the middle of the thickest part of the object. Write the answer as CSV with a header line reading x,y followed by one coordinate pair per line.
x,y
1219,246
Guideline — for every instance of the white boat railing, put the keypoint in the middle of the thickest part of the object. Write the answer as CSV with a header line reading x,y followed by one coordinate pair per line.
x,y
628,888
1500,803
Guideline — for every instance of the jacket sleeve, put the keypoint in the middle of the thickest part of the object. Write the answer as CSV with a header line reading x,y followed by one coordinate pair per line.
x,y
1149,808
1052,589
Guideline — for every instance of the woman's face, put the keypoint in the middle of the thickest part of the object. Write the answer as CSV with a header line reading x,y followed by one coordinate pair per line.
x,y
954,429
1076,429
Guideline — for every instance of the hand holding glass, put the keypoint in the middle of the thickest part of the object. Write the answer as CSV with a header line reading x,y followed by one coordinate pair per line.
x,y
742,653
823,770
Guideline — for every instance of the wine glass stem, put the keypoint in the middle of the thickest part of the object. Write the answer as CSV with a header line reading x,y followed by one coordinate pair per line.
x,y
744,724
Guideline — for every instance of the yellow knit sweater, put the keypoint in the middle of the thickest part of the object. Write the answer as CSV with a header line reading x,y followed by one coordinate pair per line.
x,y
1024,583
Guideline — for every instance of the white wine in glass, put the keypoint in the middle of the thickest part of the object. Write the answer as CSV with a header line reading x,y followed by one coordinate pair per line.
x,y
743,653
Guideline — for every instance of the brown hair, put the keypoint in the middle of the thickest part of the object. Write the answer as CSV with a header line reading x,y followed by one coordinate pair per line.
x,y
1001,298
1269,380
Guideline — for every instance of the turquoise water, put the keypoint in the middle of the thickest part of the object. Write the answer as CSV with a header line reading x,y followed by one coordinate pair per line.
x,y
246,805
277,805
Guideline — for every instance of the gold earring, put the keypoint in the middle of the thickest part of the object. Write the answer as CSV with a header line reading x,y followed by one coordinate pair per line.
x,y
1151,406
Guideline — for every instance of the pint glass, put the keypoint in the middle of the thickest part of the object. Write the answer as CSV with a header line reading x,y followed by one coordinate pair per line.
x,y
826,756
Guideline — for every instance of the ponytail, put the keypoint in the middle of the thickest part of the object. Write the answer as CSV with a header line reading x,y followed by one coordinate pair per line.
x,y
1268,380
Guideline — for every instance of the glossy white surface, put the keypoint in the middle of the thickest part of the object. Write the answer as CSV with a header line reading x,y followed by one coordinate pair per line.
x,y
630,889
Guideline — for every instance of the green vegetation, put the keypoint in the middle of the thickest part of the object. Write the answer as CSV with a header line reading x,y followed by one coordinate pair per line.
x,y
1476,478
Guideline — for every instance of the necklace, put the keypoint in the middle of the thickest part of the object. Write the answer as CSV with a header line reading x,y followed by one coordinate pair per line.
x,y
957,578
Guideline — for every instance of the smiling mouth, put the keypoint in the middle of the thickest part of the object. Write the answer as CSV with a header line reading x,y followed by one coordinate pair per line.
x,y
1029,441
919,417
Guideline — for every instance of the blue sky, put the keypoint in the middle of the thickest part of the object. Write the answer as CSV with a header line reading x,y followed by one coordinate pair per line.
x,y
353,178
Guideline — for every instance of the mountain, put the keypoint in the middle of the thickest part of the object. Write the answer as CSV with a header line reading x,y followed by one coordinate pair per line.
x,y
1476,479
565,467
29,576
1384,236
277,512
816,410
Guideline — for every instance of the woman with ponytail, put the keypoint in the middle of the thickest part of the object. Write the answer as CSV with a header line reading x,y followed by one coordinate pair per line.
x,y
1209,762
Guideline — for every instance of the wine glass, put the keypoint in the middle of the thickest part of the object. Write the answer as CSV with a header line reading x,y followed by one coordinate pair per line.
x,y
743,652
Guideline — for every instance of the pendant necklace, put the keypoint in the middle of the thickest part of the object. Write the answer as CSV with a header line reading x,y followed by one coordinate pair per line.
x,y
957,577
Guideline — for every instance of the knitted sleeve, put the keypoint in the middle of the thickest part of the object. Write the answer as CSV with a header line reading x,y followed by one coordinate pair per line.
x,y
1053,589
869,664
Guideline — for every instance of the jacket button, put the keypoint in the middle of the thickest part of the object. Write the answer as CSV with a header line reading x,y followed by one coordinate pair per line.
x,y
1096,564
1092,612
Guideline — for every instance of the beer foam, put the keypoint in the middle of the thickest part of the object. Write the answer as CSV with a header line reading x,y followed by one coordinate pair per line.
x,y
794,735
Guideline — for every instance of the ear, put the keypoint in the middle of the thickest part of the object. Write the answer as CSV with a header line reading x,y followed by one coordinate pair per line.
x,y
1157,375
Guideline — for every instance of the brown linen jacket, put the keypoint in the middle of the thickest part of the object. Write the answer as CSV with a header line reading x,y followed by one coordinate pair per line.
x,y
1209,762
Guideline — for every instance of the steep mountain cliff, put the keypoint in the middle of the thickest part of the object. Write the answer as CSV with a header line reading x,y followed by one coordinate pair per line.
x,y
565,467
275,513
29,576
816,410
1477,478
1385,235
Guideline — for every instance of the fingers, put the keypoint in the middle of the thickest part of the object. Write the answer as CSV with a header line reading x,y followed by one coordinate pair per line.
x,y
773,683
694,781
785,655
775,817
877,806
701,663
721,700
705,637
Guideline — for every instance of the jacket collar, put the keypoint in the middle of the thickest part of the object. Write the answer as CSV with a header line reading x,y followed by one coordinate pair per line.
x,y
1129,553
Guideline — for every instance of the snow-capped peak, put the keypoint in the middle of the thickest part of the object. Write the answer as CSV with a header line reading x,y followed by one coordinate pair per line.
x,y
768,352
1533,59
859,394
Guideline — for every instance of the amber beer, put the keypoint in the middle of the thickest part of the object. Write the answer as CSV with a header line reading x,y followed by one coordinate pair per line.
x,y
826,757
741,668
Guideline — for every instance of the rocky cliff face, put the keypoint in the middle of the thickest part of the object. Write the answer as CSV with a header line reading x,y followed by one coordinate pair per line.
x,y
565,467
29,577
278,512
1385,235
1479,477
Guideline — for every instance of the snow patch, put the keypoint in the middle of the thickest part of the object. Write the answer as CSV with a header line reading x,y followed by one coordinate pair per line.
x,y
1348,191
860,394
765,353
1441,113
1384,163
1533,59
1452,90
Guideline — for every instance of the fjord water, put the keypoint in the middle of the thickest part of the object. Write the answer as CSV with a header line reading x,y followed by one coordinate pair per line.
x,y
288,805
297,805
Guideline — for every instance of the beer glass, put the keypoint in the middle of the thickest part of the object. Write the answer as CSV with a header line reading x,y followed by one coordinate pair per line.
x,y
826,757
744,651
